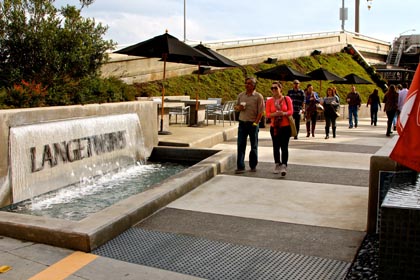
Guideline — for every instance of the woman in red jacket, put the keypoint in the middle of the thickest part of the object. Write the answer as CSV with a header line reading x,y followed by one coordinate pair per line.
x,y
278,108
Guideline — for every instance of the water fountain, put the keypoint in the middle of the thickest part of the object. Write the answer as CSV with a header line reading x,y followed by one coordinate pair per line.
x,y
43,155
45,149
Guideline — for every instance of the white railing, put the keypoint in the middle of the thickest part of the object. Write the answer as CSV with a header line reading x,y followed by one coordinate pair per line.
x,y
256,40
359,35
412,49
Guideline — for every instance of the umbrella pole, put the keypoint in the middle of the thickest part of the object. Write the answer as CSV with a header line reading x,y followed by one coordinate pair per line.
x,y
162,109
196,100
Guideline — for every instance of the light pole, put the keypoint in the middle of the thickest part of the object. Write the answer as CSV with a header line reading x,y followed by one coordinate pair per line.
x,y
343,14
356,16
185,21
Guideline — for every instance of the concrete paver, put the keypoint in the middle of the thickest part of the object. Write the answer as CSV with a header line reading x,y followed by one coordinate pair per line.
x,y
325,205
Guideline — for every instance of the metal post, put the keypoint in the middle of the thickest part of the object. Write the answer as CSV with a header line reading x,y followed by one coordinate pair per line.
x,y
356,18
342,16
185,21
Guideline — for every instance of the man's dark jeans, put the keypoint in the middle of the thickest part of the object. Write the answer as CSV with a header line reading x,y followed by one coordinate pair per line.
x,y
296,116
246,129
353,112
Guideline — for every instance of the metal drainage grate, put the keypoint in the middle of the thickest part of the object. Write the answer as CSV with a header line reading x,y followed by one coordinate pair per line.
x,y
216,260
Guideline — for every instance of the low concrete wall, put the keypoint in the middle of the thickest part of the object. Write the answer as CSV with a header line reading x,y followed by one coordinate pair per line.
x,y
146,112
133,69
364,112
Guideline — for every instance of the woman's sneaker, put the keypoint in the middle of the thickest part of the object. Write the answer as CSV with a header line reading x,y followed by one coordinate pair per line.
x,y
283,170
276,169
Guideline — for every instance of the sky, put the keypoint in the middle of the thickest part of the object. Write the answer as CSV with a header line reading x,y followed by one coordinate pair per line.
x,y
133,21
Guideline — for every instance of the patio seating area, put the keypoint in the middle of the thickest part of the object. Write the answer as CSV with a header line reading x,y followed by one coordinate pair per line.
x,y
221,113
181,111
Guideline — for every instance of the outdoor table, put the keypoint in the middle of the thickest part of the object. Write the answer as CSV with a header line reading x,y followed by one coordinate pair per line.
x,y
167,106
196,117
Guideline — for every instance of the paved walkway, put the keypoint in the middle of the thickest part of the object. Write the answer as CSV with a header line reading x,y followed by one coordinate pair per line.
x,y
307,225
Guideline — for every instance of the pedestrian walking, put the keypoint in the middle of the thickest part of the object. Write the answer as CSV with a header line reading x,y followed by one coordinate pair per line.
x,y
278,108
390,107
354,101
298,98
330,104
402,94
250,105
311,114
375,105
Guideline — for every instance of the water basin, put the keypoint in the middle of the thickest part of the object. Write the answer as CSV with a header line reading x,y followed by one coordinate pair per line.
x,y
93,194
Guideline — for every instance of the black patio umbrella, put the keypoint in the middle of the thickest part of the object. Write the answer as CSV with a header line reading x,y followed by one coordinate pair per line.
x,y
219,60
322,74
282,73
170,49
352,79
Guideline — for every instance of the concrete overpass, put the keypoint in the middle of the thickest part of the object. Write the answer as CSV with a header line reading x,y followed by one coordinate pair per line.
x,y
251,51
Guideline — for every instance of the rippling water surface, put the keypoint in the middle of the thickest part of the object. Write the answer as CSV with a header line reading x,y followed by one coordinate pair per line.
x,y
91,195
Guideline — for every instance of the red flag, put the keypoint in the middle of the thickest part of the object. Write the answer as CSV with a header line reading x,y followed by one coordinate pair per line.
x,y
407,149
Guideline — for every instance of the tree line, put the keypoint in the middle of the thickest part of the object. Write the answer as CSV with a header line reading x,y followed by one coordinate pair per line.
x,y
52,56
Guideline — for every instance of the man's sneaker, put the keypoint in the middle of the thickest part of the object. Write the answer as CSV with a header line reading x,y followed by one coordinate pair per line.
x,y
276,169
283,170
253,169
239,171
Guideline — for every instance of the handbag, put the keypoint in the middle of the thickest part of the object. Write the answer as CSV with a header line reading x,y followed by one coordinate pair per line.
x,y
336,107
319,107
292,124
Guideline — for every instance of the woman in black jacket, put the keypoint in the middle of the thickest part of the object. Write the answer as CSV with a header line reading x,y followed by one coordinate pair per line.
x,y
375,105
330,103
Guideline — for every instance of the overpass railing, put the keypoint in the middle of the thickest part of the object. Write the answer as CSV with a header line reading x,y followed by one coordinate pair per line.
x,y
250,41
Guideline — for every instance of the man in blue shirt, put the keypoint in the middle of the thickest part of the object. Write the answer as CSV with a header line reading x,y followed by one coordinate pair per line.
x,y
298,97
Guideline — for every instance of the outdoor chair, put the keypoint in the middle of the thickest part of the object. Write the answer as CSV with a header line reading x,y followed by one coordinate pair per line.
x,y
226,110
180,111
232,110
218,101
211,112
